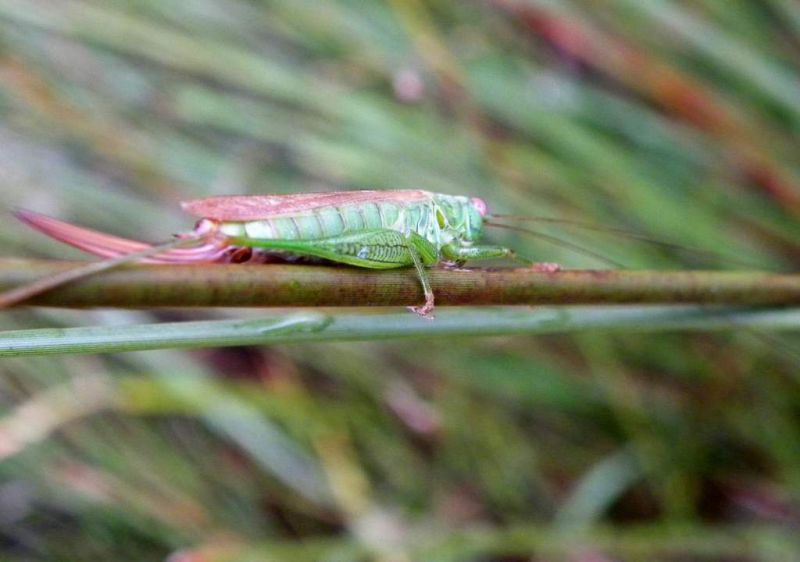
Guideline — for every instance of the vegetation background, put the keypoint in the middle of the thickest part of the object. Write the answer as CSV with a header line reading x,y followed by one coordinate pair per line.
x,y
678,120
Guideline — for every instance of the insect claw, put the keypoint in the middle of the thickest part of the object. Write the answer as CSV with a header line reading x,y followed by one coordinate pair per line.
x,y
424,311
545,267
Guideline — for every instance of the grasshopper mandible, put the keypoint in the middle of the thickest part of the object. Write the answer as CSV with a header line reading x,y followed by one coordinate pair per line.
x,y
370,229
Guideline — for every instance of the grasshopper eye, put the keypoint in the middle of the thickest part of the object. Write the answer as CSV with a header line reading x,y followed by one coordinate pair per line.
x,y
441,219
480,206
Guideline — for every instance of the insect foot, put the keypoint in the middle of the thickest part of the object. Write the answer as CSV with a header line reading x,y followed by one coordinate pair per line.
x,y
425,310
545,267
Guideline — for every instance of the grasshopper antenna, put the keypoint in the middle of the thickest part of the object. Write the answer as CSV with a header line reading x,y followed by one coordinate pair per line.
x,y
618,232
557,242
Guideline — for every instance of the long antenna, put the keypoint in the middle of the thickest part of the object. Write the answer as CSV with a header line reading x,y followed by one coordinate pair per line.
x,y
620,232
557,242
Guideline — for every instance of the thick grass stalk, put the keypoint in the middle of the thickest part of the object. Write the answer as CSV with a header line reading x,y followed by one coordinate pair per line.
x,y
152,286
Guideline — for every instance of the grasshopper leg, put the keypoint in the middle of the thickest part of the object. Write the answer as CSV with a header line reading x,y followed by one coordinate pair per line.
x,y
426,309
462,254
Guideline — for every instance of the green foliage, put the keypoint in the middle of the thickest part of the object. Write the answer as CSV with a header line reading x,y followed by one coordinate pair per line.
x,y
678,120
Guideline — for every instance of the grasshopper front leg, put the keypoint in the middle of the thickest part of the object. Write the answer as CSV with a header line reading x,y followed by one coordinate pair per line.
x,y
462,254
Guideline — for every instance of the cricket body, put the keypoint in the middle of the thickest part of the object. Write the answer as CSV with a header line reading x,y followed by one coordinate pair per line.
x,y
369,229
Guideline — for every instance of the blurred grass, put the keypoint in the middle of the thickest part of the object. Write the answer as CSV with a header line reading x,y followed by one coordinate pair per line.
x,y
678,120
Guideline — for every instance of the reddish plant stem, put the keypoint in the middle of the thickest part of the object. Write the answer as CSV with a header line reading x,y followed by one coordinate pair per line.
x,y
153,286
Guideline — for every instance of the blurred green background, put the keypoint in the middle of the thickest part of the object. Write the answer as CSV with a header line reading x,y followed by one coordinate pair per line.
x,y
677,120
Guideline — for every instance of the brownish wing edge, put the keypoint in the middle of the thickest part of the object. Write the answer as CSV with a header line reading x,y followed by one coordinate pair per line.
x,y
260,207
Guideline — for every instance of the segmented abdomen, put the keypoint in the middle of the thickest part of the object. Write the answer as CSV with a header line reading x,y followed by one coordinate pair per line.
x,y
417,217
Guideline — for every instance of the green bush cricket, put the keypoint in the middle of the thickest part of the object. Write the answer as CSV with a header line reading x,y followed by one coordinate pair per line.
x,y
369,229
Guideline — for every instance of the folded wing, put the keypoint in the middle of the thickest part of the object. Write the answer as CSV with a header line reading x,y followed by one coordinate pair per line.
x,y
260,207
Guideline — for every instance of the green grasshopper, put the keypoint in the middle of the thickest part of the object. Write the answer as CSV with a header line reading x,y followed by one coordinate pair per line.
x,y
369,229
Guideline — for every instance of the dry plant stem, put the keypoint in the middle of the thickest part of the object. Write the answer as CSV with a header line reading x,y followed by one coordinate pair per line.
x,y
152,286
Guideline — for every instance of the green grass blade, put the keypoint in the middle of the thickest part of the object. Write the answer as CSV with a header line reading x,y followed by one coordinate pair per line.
x,y
320,327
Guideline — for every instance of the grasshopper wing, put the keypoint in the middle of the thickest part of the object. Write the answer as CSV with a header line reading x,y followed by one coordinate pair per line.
x,y
259,207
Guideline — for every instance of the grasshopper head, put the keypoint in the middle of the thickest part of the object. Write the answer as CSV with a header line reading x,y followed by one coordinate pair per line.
x,y
462,217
